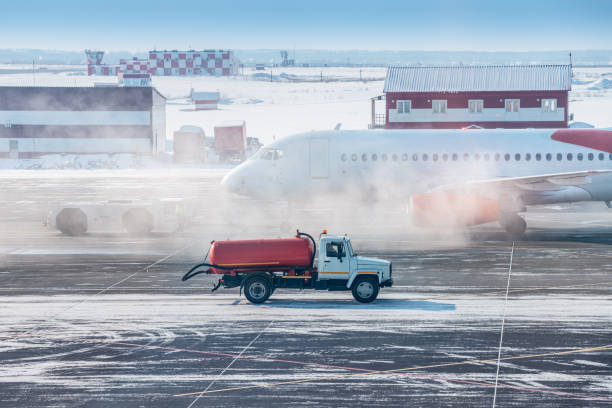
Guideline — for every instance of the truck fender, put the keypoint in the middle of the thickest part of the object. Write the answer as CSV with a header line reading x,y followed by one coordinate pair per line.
x,y
352,278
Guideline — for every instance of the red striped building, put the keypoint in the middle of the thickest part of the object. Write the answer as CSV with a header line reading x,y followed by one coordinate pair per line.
x,y
517,96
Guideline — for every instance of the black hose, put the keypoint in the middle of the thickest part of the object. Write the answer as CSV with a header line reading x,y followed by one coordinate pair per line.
x,y
314,249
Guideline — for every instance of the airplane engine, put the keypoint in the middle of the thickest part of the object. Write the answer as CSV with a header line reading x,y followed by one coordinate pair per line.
x,y
452,208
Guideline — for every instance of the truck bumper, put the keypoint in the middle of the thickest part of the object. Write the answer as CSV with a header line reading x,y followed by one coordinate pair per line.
x,y
386,284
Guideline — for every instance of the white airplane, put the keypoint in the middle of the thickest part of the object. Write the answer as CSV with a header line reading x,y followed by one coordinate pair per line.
x,y
448,177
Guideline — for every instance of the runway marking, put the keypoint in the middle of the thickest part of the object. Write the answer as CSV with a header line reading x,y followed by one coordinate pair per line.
x,y
401,371
88,298
501,333
230,364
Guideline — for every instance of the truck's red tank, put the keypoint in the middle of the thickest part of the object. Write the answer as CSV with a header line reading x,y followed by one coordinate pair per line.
x,y
265,253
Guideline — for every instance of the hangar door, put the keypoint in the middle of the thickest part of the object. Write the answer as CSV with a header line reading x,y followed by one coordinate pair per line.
x,y
319,158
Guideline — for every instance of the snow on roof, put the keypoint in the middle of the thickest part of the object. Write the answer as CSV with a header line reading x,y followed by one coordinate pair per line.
x,y
205,96
478,78
231,123
190,129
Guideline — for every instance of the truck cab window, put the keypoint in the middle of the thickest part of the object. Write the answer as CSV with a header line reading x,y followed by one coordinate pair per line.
x,y
335,250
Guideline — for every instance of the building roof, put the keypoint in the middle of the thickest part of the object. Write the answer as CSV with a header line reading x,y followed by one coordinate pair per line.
x,y
479,78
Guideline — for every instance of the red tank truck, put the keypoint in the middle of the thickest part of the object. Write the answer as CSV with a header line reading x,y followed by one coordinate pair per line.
x,y
259,266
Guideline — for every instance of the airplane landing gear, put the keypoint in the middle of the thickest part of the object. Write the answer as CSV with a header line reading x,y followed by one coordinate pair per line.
x,y
514,224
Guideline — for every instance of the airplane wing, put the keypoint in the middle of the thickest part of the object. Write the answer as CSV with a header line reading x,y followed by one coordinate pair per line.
x,y
543,182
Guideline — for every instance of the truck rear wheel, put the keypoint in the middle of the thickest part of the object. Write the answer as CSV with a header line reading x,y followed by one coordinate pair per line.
x,y
365,289
71,221
137,221
257,289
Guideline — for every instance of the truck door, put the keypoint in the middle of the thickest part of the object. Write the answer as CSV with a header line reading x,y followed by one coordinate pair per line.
x,y
335,263
319,158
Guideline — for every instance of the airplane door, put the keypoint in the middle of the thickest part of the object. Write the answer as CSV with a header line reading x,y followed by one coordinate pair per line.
x,y
319,158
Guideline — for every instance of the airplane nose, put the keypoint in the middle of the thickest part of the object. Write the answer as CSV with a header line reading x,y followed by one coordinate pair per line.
x,y
234,181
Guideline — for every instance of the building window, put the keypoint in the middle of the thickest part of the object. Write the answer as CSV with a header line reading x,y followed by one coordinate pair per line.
x,y
404,106
475,105
549,105
439,106
512,105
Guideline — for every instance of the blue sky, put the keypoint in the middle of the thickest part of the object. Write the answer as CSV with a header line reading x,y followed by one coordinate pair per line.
x,y
134,25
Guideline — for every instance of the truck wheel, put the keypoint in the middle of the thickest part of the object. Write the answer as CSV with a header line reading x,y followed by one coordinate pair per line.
x,y
365,290
137,221
257,289
71,221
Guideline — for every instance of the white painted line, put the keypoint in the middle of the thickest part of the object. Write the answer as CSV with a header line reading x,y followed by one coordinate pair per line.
x,y
229,365
501,335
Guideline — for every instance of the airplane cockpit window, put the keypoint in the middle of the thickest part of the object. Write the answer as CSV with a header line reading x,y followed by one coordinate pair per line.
x,y
269,154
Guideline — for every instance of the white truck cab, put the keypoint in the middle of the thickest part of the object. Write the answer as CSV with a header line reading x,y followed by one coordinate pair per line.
x,y
338,262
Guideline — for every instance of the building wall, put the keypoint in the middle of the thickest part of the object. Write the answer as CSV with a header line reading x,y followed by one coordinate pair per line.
x,y
494,113
39,120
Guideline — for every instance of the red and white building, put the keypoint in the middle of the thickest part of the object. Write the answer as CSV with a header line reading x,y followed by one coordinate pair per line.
x,y
169,63
205,100
517,96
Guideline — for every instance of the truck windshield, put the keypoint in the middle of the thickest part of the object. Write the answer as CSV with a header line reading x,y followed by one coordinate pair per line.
x,y
349,247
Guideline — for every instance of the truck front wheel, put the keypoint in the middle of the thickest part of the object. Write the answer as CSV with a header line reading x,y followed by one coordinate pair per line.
x,y
257,289
365,289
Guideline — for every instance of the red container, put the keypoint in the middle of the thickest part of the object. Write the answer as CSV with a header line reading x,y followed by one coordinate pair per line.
x,y
264,253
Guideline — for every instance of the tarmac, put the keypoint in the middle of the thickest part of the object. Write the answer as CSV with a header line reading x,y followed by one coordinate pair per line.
x,y
104,320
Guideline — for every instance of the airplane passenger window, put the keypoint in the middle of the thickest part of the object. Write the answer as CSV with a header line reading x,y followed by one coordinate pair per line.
x,y
486,156
415,157
384,157
374,157
476,156
579,156
548,157
517,157
354,157
455,156
497,156
506,157
394,157
445,157
466,156
425,157
404,156
527,156
570,157
343,157
601,156
364,157
538,156
559,157
435,157
610,157
591,157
